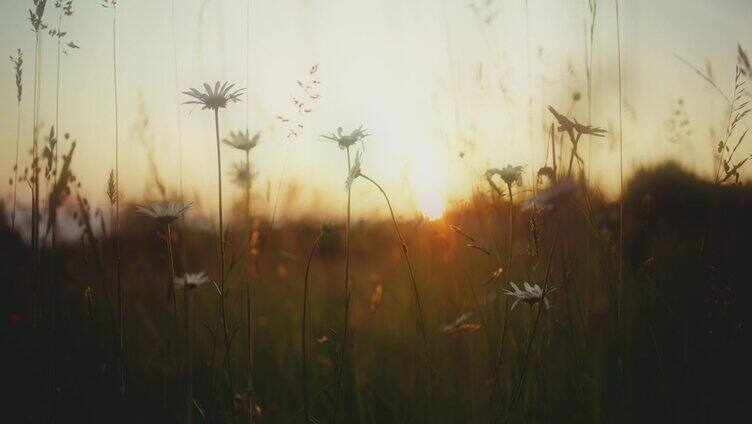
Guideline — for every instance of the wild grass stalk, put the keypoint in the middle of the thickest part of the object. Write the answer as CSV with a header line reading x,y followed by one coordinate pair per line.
x,y
304,382
115,203
621,166
409,264
17,62
531,141
36,16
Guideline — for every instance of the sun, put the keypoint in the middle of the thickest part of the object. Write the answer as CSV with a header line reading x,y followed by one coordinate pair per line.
x,y
429,187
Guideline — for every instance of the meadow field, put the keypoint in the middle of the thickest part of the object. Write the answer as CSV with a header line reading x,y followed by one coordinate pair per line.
x,y
563,284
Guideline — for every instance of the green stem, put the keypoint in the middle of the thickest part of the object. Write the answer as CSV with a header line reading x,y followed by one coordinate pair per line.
x,y
303,333
403,246
343,350
507,272
248,312
222,275
189,356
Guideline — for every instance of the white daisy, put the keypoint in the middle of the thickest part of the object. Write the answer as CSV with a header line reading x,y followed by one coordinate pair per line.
x,y
530,295
509,174
346,140
165,212
191,280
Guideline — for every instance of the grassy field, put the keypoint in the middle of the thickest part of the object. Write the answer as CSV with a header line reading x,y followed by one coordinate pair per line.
x,y
537,296
664,344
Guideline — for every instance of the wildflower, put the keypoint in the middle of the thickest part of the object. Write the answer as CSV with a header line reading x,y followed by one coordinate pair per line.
x,y
241,175
165,213
346,140
566,125
191,280
242,141
509,174
530,295
214,99
354,171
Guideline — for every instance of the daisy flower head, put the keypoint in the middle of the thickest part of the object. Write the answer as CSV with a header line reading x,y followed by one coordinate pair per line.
x,y
530,295
242,140
191,280
216,98
346,140
165,212
242,176
572,127
509,174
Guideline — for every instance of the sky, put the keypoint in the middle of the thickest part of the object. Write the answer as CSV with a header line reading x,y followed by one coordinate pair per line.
x,y
447,88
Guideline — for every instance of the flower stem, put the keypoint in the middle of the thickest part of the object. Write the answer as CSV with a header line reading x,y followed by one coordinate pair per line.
x,y
343,350
15,168
248,312
416,293
116,230
500,356
222,277
303,331
189,357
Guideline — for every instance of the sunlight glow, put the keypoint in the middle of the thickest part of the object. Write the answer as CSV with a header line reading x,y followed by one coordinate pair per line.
x,y
428,185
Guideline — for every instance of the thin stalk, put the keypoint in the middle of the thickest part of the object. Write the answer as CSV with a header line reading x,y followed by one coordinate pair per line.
x,y
248,304
343,350
500,356
171,288
249,314
222,275
529,96
177,104
116,230
15,168
171,283
403,246
303,333
189,356
35,184
621,168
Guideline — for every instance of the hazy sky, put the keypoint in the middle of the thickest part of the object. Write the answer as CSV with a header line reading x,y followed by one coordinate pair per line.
x,y
429,78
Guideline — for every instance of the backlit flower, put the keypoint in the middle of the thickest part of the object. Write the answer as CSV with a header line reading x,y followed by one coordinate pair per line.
x,y
566,125
346,140
241,175
191,280
530,295
242,141
509,174
216,98
165,212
